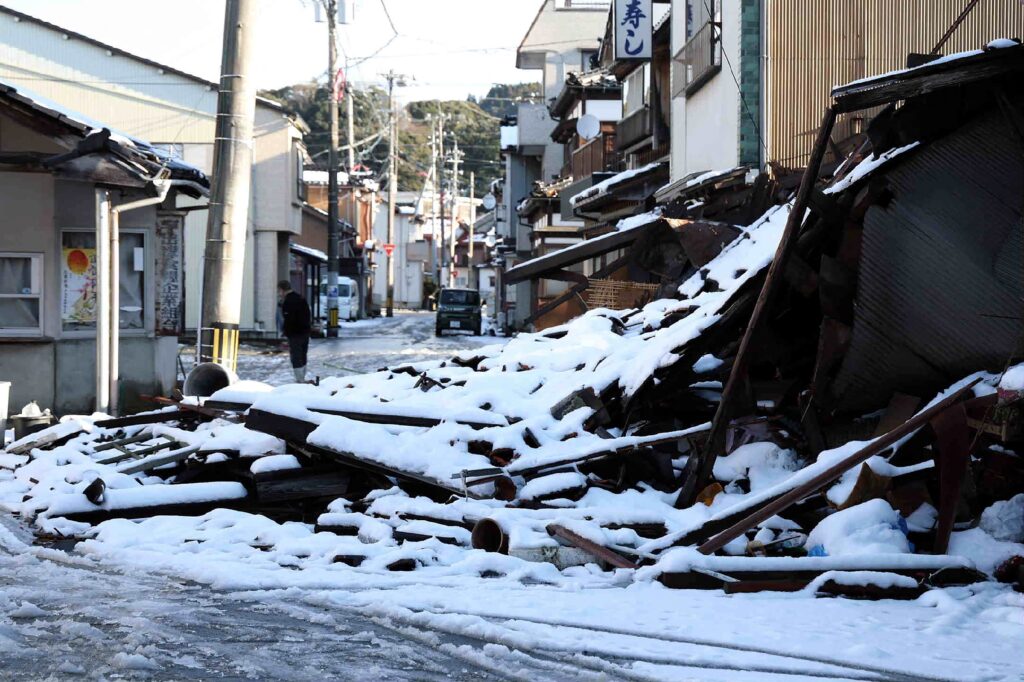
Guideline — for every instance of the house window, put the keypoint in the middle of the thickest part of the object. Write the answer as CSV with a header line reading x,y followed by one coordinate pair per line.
x,y
78,280
636,90
300,183
21,293
701,57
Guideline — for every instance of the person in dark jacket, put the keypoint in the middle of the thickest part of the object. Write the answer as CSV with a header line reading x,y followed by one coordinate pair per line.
x,y
296,325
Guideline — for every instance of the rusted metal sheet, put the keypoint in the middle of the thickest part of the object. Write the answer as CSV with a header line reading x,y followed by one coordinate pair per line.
x,y
812,45
940,280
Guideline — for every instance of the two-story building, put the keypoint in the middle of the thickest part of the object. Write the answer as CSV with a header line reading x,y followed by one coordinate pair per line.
x,y
563,38
177,112
751,78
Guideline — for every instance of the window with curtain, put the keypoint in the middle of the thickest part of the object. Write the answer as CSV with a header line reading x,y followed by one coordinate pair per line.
x,y
21,293
78,281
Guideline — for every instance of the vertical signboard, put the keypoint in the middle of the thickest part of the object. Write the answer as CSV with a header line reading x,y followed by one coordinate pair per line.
x,y
169,277
634,27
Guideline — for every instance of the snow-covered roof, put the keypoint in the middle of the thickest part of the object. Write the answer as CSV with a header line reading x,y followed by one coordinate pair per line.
x,y
321,177
606,186
575,252
316,254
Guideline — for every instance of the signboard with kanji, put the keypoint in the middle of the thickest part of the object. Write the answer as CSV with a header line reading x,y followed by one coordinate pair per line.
x,y
634,26
389,249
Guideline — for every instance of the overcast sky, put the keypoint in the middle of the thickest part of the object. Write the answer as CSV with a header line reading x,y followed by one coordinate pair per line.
x,y
450,47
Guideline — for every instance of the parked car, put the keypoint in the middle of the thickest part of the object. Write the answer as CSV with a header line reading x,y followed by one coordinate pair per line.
x,y
348,299
458,309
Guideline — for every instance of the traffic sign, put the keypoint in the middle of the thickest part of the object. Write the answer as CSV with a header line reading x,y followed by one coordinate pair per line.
x,y
389,249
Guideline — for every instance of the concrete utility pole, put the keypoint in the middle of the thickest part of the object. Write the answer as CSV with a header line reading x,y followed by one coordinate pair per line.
x,y
440,182
392,188
455,211
472,229
333,226
224,258
433,202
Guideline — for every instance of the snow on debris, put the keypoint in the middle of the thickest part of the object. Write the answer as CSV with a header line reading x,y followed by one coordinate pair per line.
x,y
605,186
867,167
997,44
523,380
624,225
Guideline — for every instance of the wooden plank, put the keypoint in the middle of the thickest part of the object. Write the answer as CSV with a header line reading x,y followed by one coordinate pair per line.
x,y
591,248
142,452
832,473
701,475
930,77
901,408
953,454
348,459
603,553
304,484
152,418
153,462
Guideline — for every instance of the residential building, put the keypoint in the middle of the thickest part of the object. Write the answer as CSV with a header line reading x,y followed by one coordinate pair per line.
x,y
177,111
357,210
564,37
58,170
751,78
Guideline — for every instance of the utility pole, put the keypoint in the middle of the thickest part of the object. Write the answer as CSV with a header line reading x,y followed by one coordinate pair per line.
x,y
224,258
333,226
440,181
455,211
433,202
472,229
392,189
351,116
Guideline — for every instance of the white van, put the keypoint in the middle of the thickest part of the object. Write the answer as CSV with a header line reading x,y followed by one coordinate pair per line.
x,y
348,299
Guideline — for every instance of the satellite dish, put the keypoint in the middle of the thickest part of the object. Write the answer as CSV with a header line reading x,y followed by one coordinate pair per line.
x,y
588,126
489,202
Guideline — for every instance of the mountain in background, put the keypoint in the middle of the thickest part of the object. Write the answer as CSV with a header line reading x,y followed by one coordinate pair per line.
x,y
473,123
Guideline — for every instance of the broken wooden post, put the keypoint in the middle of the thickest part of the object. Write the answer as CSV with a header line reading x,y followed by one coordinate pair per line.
x,y
700,473
603,553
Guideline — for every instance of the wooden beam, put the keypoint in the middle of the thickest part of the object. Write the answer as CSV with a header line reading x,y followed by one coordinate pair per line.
x,y
616,264
928,78
577,253
700,474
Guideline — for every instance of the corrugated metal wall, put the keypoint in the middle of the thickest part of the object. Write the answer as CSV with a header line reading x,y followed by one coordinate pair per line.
x,y
940,282
811,45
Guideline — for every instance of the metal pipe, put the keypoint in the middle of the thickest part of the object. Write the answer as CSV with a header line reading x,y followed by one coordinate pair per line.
x,y
102,301
114,333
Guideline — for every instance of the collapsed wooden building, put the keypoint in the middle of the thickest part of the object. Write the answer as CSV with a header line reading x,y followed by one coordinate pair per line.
x,y
851,340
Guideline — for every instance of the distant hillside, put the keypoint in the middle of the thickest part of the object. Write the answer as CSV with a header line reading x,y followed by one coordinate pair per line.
x,y
474,124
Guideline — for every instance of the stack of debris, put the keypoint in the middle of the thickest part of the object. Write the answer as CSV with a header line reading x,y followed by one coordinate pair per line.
x,y
810,410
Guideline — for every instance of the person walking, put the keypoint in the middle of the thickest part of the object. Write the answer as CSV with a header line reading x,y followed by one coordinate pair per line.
x,y
296,325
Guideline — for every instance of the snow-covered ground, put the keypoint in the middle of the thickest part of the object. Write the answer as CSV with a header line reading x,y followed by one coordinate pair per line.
x,y
363,346
237,595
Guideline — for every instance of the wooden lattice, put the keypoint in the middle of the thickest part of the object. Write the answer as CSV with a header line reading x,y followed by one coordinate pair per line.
x,y
616,294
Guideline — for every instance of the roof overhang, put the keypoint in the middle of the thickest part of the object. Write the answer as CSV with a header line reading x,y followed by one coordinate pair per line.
x,y
951,71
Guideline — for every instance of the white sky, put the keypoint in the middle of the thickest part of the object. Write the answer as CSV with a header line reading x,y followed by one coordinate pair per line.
x,y
451,47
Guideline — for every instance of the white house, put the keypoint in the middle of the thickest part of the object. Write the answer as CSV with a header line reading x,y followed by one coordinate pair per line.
x,y
177,112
